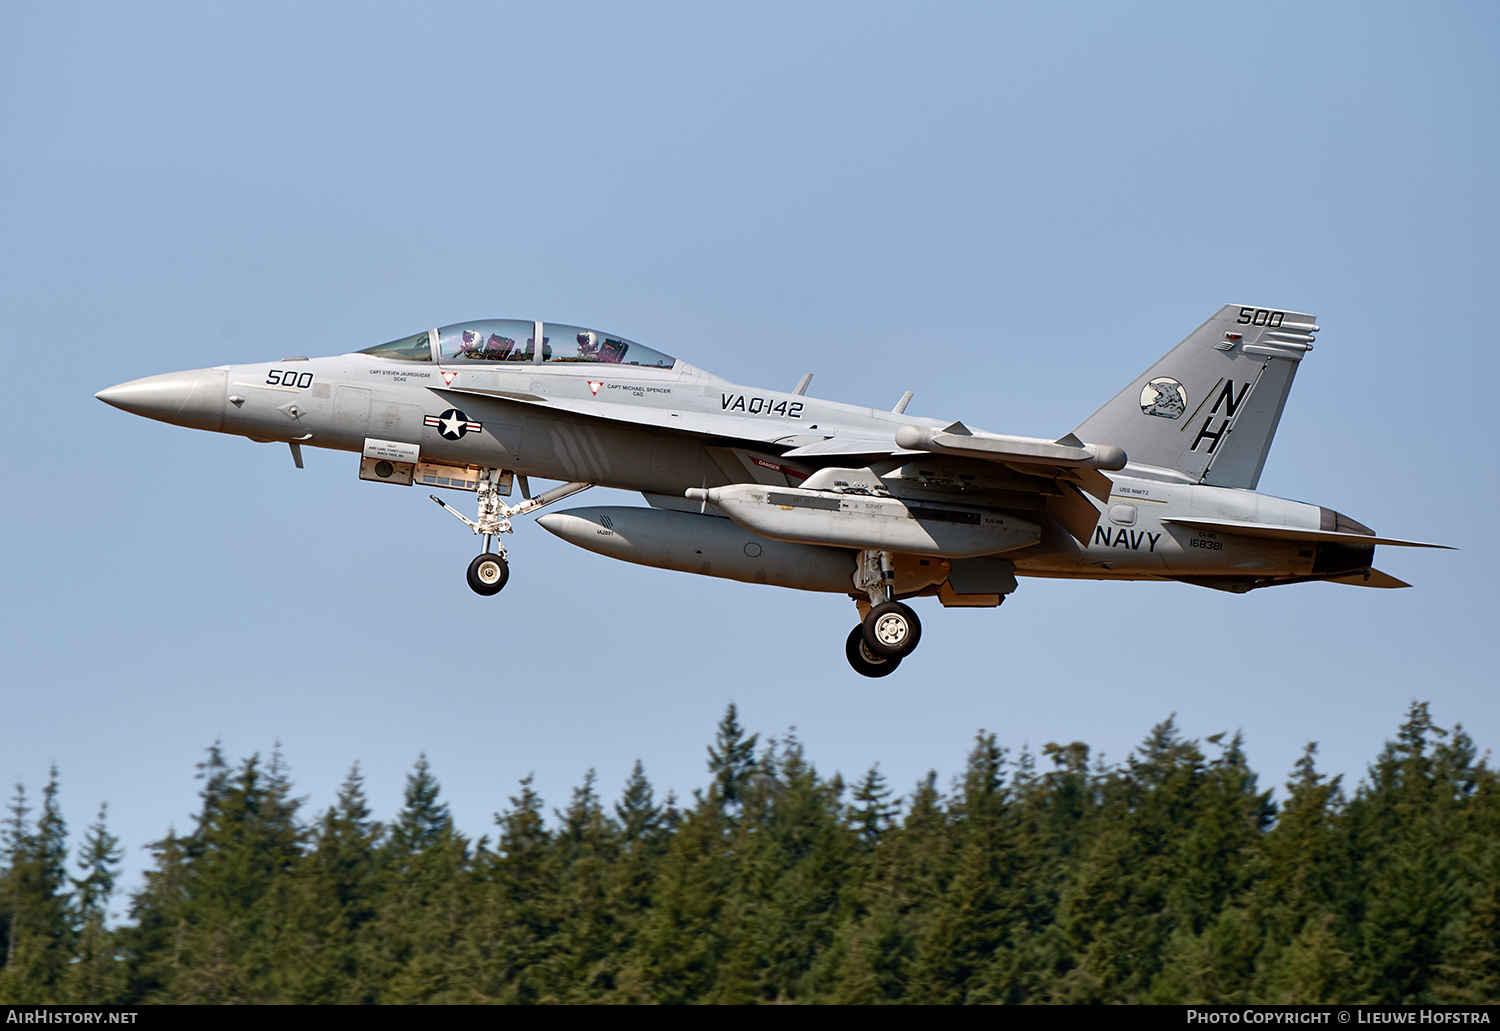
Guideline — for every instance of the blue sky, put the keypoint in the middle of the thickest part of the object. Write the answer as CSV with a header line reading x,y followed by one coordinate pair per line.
x,y
1010,210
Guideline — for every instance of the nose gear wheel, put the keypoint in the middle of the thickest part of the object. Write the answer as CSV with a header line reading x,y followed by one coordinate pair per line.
x,y
488,574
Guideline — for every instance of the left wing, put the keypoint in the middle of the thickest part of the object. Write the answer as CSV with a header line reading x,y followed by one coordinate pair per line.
x,y
1040,473
511,386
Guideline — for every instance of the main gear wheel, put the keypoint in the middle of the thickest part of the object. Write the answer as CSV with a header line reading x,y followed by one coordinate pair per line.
x,y
891,630
865,662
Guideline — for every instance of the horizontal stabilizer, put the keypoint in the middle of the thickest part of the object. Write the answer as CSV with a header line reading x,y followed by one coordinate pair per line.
x,y
1294,533
1370,578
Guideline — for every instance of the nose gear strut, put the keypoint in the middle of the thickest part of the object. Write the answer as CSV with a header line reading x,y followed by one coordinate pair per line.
x,y
489,572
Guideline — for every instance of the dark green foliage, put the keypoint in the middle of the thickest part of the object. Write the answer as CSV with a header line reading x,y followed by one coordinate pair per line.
x,y
421,905
334,900
1409,830
96,976
1169,878
214,911
872,813
39,929
731,761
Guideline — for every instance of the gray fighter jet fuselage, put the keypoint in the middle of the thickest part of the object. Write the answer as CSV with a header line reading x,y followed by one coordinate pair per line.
x,y
781,488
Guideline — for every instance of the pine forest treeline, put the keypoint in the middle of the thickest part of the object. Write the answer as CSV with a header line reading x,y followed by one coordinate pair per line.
x,y
1169,878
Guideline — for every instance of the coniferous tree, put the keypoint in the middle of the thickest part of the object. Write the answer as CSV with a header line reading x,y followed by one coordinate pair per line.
x,y
247,843
335,897
643,833
155,944
1137,897
424,820
152,944
423,906
1303,871
731,761
1311,969
871,813
1406,825
1300,894
641,819
795,860
515,906
872,955
1162,878
1214,940
583,958
1470,972
967,923
15,849
96,976
214,772
681,940
39,926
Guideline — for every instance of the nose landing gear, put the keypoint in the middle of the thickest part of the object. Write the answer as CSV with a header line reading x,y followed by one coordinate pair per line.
x,y
488,573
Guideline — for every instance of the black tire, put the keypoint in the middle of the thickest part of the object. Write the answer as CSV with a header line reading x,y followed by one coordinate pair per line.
x,y
891,630
865,663
487,575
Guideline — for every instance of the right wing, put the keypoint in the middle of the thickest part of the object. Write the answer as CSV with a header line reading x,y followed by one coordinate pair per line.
x,y
1016,473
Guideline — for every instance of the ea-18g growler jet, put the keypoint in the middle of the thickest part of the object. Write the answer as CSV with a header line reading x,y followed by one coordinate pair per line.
x,y
781,488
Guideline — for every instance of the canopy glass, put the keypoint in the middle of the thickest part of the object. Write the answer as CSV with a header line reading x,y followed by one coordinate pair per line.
x,y
510,340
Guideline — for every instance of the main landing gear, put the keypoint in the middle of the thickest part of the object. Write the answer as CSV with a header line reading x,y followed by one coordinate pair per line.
x,y
890,631
489,572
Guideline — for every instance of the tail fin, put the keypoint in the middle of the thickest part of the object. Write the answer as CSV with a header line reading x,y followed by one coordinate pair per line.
x,y
1209,409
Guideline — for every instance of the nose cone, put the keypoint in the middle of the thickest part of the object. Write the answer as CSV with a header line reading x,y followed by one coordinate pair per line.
x,y
568,526
194,398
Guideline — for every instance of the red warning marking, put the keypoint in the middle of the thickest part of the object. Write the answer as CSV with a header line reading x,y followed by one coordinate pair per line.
x,y
791,473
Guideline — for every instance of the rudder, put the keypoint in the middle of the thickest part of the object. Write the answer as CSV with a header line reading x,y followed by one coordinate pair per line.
x,y
1209,409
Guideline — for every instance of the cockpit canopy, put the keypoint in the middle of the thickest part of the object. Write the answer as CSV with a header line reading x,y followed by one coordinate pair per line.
x,y
513,340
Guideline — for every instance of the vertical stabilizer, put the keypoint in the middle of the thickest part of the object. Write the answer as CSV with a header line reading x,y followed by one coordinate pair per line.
x,y
1209,409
